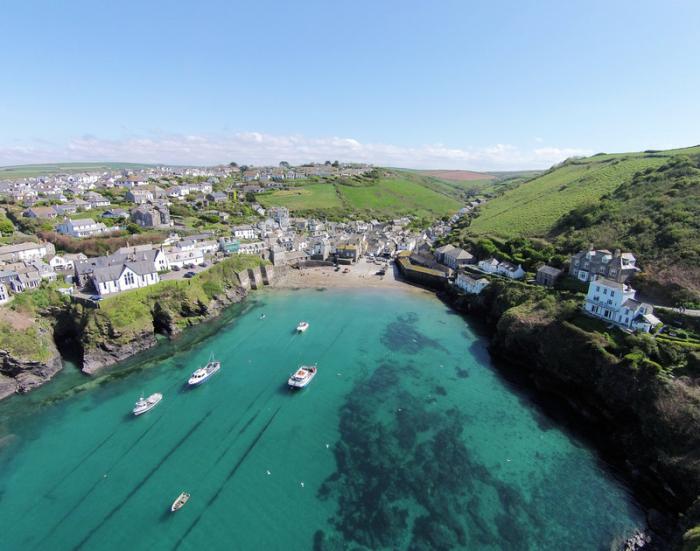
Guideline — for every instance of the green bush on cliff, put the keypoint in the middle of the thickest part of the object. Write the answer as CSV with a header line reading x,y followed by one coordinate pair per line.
x,y
31,343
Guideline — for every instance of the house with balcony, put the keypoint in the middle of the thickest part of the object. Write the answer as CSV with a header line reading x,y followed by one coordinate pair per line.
x,y
616,303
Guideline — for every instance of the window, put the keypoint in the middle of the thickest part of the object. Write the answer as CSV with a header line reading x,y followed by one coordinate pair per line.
x,y
129,278
597,288
605,291
612,293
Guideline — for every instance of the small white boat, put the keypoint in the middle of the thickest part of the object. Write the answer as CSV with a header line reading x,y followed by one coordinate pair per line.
x,y
142,406
203,373
302,376
303,326
262,316
179,503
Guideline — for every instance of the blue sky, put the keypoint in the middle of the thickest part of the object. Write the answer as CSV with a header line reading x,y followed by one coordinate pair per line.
x,y
453,84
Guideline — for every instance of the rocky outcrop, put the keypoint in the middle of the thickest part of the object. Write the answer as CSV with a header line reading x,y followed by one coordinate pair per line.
x,y
22,375
104,345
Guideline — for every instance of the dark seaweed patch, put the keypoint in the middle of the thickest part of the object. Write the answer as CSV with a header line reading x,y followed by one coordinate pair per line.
x,y
440,390
461,372
402,336
396,455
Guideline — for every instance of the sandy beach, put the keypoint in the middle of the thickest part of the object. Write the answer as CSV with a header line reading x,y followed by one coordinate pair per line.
x,y
360,275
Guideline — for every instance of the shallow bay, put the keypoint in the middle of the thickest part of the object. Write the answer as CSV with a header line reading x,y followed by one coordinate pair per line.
x,y
406,438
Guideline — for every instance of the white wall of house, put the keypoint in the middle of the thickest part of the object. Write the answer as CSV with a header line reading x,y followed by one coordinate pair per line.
x,y
126,281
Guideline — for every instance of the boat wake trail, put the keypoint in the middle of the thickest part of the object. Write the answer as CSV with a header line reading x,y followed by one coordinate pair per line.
x,y
140,484
231,473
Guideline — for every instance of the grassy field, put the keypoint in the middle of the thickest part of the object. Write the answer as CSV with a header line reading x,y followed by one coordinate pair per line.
x,y
306,197
533,208
30,171
386,195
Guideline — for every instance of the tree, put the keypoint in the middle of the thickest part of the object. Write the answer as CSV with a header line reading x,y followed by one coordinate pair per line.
x,y
250,197
336,164
6,227
284,164
233,165
327,163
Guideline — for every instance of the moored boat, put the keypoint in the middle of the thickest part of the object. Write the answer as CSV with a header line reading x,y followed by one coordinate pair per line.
x,y
303,326
143,405
203,373
179,503
302,376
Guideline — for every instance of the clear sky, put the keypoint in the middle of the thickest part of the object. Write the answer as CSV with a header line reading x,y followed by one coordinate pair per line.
x,y
440,84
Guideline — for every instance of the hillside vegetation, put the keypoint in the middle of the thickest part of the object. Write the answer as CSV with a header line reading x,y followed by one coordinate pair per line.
x,y
379,194
656,214
535,207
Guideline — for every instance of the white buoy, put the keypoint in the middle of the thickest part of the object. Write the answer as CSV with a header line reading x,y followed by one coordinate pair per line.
x,y
268,473
302,484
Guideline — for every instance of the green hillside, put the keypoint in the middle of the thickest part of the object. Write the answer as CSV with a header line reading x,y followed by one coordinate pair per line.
x,y
31,171
656,214
534,207
381,194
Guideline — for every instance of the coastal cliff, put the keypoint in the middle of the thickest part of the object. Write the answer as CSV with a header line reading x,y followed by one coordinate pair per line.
x,y
643,397
28,355
44,325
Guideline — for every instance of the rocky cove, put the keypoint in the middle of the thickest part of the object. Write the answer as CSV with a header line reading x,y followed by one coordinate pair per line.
x,y
642,419
97,335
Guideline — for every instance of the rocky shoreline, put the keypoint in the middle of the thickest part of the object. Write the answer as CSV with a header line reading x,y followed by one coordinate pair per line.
x,y
645,425
91,336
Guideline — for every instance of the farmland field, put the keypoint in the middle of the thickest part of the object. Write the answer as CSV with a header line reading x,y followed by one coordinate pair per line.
x,y
533,208
389,195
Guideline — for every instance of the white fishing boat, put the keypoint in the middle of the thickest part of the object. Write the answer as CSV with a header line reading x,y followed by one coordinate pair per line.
x,y
179,503
143,405
303,326
302,376
203,373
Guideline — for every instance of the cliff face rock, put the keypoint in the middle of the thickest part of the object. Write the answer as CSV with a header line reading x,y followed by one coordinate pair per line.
x,y
22,375
648,418
103,344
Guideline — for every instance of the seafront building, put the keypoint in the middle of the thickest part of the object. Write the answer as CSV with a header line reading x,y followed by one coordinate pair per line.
x,y
616,302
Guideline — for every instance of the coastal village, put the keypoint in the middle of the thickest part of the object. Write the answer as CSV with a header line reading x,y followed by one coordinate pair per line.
x,y
100,204
97,237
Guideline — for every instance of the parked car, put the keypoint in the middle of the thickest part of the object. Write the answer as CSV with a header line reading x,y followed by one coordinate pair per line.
x,y
188,275
176,268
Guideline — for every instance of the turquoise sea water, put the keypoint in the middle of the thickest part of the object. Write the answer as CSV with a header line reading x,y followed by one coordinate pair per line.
x,y
406,439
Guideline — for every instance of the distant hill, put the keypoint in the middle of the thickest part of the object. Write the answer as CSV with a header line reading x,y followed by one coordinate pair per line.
x,y
31,171
457,175
384,193
534,207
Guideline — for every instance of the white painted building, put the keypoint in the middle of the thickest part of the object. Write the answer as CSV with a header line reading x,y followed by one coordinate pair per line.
x,y
244,232
26,251
84,227
123,277
4,295
470,285
615,302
